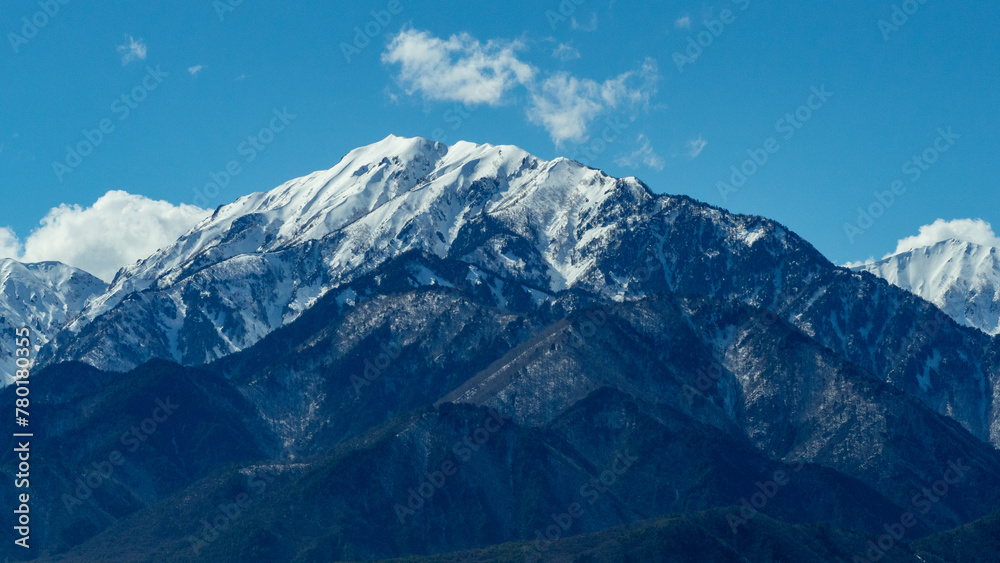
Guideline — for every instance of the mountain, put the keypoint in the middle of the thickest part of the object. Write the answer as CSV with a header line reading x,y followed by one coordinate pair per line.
x,y
104,446
704,536
693,538
256,264
327,450
975,542
962,278
43,297
503,334
517,231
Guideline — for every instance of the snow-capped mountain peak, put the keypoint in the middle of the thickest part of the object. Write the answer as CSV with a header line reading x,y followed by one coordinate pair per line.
x,y
395,196
42,297
962,278
312,207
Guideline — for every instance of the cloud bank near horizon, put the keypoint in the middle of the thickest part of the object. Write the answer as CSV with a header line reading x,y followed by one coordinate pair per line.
x,y
117,230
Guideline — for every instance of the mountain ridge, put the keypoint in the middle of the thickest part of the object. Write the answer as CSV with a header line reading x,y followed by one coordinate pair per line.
x,y
43,297
259,224
352,325
960,277
525,231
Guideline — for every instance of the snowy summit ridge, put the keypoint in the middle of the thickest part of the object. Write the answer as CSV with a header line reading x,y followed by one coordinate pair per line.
x,y
263,259
376,192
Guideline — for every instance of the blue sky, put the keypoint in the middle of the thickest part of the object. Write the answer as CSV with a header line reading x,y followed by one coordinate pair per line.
x,y
839,99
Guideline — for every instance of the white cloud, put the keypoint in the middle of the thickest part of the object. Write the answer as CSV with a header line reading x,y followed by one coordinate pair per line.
x,y
696,146
642,155
967,230
194,70
459,69
859,263
241,77
565,52
589,26
133,50
119,229
10,247
683,23
565,105
463,69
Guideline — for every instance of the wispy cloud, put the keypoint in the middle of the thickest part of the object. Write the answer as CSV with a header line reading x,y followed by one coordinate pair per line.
x,y
464,69
683,22
194,70
10,247
459,69
566,105
695,147
241,77
133,50
565,52
859,263
644,154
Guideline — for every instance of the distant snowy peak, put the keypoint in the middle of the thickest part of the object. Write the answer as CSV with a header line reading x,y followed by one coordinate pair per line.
x,y
48,291
42,297
962,278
